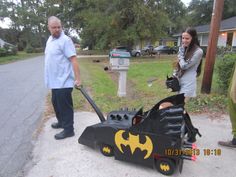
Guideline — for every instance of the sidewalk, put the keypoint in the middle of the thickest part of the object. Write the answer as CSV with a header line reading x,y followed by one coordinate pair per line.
x,y
67,158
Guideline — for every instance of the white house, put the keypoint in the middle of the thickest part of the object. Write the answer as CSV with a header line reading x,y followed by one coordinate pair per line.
x,y
2,43
227,34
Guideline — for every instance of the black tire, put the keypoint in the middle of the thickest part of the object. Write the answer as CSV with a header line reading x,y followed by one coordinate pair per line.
x,y
165,166
106,150
138,54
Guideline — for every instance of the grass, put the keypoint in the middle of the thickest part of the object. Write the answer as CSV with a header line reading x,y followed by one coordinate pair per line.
x,y
102,86
19,56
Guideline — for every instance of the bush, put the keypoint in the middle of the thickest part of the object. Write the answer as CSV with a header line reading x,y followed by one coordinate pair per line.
x,y
29,49
10,49
223,50
38,50
224,69
3,52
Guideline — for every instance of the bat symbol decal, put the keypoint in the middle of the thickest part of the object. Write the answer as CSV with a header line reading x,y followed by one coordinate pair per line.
x,y
133,142
164,167
106,149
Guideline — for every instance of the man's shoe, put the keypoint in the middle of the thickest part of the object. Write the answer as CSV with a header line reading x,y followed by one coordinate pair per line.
x,y
56,125
64,134
231,144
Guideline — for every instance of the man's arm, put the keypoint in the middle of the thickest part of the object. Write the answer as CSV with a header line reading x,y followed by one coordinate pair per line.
x,y
75,65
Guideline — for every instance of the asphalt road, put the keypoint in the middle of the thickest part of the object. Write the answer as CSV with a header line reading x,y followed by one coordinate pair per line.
x,y
22,97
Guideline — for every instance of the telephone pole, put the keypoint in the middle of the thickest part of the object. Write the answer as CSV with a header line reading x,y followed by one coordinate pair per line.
x,y
212,45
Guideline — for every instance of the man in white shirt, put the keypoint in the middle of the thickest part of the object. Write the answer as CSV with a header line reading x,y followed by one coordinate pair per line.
x,y
61,75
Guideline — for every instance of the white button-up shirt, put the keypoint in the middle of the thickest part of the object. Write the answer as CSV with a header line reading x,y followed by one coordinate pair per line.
x,y
58,67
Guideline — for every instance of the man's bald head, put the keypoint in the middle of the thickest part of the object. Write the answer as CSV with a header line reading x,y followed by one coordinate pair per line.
x,y
53,19
54,26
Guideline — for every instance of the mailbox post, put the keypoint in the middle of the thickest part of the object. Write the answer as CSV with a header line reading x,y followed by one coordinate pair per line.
x,y
119,61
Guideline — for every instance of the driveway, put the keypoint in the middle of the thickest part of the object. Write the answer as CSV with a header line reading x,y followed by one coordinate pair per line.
x,y
22,96
67,158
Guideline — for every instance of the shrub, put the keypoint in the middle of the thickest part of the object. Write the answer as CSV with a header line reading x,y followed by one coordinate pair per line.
x,y
3,52
224,69
222,50
38,50
29,49
10,49
13,51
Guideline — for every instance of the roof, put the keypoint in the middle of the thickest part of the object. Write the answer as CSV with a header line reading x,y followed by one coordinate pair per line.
x,y
2,43
225,25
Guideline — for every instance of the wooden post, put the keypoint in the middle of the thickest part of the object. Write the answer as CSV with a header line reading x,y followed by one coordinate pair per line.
x,y
212,45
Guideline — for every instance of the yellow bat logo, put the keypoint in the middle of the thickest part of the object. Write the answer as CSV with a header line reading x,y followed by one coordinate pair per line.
x,y
133,142
106,149
164,167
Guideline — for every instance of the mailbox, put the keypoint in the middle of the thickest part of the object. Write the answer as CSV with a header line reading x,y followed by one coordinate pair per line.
x,y
119,60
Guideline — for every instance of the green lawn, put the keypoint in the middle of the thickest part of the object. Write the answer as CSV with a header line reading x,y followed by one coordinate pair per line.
x,y
102,86
19,56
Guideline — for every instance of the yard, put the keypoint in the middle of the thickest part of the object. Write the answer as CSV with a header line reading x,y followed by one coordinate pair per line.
x,y
102,86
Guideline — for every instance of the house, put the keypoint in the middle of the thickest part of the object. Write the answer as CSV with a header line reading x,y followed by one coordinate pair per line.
x,y
227,34
2,43
7,48
168,41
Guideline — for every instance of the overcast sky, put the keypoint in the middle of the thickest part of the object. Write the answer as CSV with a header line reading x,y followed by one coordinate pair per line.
x,y
5,23
186,2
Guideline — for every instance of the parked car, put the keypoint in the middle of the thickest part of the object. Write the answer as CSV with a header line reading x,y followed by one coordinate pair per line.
x,y
164,49
133,52
148,50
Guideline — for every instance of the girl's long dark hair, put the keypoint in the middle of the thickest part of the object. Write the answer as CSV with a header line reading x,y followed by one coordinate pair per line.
x,y
193,45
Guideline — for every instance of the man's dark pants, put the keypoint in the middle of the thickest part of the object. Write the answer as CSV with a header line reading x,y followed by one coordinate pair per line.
x,y
63,107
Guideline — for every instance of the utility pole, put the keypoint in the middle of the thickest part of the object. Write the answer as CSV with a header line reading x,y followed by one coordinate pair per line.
x,y
212,45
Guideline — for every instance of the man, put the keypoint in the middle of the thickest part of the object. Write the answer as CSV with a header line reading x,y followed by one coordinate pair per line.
x,y
61,75
232,111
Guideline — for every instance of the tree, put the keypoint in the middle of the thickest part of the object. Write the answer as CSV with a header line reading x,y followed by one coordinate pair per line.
x,y
27,19
176,12
229,9
107,23
200,11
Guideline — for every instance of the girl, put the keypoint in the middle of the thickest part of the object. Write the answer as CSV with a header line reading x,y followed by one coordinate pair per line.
x,y
189,63
188,68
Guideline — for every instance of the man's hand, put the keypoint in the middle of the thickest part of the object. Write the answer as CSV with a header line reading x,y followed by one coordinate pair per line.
x,y
77,83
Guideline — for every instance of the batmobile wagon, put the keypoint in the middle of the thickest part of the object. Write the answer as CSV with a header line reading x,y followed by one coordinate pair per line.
x,y
155,138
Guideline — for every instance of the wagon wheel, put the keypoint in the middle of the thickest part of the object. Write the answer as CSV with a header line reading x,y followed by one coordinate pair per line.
x,y
106,150
165,166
